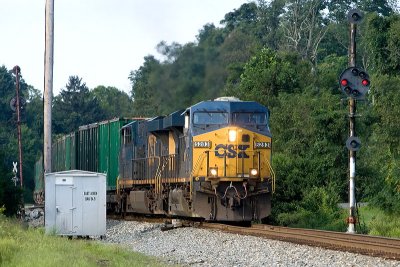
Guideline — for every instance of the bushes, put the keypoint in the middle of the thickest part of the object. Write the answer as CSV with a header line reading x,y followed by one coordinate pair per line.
x,y
10,195
379,222
318,209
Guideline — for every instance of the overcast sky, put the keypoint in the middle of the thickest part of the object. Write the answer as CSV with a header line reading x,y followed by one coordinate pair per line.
x,y
101,41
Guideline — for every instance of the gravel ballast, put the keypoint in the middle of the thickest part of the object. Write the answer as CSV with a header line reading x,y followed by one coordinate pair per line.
x,y
200,247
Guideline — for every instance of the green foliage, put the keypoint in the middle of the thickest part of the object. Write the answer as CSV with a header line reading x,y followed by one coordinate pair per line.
x,y
384,143
380,223
268,73
75,106
329,70
381,40
19,247
143,93
244,17
309,134
318,210
10,195
113,102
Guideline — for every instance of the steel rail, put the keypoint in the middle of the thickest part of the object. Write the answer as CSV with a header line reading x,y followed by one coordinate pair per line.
x,y
363,244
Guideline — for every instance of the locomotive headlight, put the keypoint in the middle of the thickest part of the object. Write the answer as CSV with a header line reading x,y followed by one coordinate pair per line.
x,y
232,135
213,171
253,173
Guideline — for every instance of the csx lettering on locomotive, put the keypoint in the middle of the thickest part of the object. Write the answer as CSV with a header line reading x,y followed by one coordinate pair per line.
x,y
229,150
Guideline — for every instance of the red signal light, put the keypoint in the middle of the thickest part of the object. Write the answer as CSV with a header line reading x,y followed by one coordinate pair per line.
x,y
344,82
365,82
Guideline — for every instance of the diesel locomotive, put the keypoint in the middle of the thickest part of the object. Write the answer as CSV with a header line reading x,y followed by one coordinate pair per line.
x,y
211,161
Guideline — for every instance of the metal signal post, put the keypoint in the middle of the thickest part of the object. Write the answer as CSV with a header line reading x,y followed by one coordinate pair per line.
x,y
352,132
354,82
17,71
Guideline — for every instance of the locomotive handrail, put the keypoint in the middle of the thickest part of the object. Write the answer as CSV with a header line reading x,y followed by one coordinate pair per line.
x,y
272,175
146,175
199,159
164,160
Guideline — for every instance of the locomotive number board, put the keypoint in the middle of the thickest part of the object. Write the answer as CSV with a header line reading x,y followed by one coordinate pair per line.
x,y
202,144
262,145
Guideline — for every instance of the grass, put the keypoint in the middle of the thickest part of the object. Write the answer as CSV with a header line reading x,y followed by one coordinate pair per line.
x,y
31,247
371,221
376,222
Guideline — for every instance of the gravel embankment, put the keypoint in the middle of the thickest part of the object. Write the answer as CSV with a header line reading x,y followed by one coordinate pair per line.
x,y
200,247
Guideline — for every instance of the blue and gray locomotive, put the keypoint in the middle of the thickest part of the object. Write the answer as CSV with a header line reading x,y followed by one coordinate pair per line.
x,y
212,161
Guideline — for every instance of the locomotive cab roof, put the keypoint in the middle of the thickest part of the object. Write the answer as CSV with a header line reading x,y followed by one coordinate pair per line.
x,y
228,111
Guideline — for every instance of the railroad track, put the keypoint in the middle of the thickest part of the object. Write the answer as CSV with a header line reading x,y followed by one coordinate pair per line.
x,y
388,248
369,245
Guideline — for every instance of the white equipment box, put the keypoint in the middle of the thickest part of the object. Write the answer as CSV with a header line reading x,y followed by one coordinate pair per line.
x,y
75,203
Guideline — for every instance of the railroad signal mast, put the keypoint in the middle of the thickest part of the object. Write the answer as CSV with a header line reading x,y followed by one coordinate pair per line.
x,y
354,82
16,105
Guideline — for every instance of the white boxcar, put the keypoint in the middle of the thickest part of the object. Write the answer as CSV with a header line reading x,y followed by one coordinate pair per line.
x,y
75,203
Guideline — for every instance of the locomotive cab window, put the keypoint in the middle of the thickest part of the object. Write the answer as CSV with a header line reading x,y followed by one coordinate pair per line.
x,y
250,118
210,118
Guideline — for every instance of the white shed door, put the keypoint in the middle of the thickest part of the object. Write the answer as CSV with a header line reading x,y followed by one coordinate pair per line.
x,y
64,209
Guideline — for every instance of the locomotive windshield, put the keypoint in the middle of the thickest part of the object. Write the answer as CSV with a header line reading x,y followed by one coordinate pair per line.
x,y
210,118
250,118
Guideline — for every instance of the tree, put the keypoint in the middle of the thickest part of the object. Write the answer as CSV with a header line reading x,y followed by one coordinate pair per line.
x,y
381,41
171,52
244,17
304,27
269,73
113,102
142,93
385,143
268,30
75,106
308,128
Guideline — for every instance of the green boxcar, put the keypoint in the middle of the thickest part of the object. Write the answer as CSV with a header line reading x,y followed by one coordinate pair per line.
x,y
93,147
58,155
110,141
64,154
72,151
39,180
87,148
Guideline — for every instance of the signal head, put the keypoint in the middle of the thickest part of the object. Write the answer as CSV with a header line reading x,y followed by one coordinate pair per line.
x,y
353,143
354,82
355,16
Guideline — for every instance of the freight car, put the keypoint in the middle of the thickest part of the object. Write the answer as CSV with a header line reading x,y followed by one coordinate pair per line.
x,y
211,161
93,147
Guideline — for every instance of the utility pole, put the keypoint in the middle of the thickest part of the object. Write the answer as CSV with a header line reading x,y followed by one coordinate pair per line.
x,y
48,83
